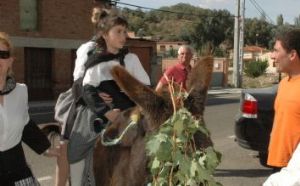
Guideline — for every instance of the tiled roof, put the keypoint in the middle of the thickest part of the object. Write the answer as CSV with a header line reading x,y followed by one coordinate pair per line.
x,y
254,49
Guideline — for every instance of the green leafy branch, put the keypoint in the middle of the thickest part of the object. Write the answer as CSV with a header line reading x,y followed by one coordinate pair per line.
x,y
174,158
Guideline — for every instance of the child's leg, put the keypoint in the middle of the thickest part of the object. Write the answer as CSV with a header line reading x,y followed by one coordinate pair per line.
x,y
62,165
76,172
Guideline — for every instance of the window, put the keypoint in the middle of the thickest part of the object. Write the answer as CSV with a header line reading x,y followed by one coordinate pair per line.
x,y
28,15
162,48
38,73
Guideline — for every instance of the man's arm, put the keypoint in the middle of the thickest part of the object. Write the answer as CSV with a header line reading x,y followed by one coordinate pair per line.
x,y
159,87
163,81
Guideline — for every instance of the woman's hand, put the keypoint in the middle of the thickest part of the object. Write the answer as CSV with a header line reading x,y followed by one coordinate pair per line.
x,y
112,114
52,152
106,97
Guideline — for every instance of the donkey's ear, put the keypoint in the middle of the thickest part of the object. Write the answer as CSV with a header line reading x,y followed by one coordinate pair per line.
x,y
201,74
152,104
135,90
197,85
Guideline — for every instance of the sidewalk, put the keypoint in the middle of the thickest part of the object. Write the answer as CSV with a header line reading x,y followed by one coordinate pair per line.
x,y
218,91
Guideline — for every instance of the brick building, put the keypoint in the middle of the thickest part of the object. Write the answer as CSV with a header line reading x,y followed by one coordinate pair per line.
x,y
46,35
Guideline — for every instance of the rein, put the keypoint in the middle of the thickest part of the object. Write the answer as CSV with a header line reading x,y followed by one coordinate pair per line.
x,y
134,118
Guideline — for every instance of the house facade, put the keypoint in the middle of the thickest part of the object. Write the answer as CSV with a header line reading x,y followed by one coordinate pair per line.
x,y
272,69
251,53
164,47
46,34
254,53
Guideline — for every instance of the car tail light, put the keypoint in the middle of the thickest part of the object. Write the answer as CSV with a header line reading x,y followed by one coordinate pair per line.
x,y
249,107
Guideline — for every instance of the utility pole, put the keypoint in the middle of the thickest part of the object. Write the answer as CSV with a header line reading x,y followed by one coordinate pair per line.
x,y
236,69
241,44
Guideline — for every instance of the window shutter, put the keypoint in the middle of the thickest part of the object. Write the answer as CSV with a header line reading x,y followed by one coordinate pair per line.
x,y
28,15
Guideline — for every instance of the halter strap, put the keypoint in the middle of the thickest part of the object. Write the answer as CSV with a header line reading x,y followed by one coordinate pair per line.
x,y
134,118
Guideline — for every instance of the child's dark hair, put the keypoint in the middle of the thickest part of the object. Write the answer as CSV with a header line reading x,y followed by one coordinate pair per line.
x,y
106,19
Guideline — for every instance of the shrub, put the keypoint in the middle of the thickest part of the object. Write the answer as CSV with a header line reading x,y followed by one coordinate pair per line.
x,y
256,68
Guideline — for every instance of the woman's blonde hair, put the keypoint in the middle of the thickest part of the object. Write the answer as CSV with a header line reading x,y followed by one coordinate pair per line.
x,y
4,39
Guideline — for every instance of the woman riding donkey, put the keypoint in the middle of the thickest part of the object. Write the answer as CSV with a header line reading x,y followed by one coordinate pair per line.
x,y
94,111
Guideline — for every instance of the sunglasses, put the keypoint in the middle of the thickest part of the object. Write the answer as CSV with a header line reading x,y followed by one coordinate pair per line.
x,y
4,54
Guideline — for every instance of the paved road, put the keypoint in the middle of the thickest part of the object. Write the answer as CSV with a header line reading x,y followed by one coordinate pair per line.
x,y
239,167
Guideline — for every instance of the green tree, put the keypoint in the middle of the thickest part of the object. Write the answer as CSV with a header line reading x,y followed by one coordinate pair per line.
x,y
195,25
140,32
297,21
263,17
213,29
280,20
258,32
152,17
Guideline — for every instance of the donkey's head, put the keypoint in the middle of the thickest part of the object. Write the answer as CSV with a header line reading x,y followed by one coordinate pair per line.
x,y
154,109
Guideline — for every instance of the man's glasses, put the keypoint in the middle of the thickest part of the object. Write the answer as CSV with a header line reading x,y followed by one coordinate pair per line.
x,y
4,54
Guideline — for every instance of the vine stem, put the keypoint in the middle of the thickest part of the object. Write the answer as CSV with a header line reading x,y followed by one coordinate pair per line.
x,y
171,90
194,144
171,176
186,145
155,180
173,151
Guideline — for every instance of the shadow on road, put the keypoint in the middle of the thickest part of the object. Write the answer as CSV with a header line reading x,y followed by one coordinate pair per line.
x,y
242,173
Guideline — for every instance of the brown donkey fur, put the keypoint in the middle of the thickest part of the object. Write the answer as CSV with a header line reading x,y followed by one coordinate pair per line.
x,y
125,164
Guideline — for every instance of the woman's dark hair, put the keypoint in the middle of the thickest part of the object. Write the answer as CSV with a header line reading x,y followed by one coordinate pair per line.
x,y
290,40
106,19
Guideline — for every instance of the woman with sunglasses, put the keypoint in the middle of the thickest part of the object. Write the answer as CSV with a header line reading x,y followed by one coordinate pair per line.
x,y
16,126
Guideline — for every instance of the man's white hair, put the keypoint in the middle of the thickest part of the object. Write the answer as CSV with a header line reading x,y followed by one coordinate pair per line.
x,y
186,47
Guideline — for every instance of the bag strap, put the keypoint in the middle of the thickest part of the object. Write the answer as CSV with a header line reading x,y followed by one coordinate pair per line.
x,y
96,58
93,60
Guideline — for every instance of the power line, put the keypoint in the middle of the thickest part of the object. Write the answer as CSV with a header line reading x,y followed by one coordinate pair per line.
x,y
257,8
168,11
260,10
263,11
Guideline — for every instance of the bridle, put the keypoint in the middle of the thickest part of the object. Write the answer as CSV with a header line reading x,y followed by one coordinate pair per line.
x,y
134,119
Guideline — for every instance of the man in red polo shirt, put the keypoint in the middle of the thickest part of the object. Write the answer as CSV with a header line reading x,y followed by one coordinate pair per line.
x,y
179,71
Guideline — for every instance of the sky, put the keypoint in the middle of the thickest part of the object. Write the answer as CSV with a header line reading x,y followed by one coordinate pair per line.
x,y
288,8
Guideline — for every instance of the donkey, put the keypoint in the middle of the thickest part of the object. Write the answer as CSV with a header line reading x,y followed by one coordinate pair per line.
x,y
125,164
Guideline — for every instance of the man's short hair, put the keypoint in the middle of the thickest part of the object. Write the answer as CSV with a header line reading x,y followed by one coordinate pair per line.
x,y
186,47
290,40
